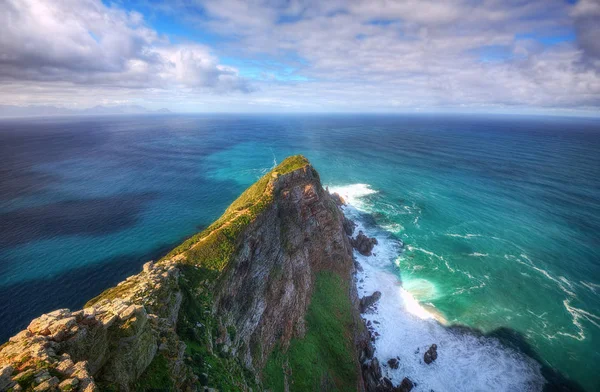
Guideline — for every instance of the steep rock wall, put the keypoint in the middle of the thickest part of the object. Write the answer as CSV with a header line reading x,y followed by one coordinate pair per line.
x,y
213,311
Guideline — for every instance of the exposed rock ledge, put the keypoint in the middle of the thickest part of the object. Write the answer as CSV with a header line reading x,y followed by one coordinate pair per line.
x,y
213,312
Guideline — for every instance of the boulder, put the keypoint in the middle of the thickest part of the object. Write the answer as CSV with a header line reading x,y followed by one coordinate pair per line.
x,y
367,301
339,200
431,354
5,376
405,386
393,363
363,244
372,375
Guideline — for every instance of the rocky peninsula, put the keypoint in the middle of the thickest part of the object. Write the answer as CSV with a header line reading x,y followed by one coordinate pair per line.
x,y
263,299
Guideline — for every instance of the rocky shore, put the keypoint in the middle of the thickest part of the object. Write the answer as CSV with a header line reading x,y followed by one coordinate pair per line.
x,y
239,307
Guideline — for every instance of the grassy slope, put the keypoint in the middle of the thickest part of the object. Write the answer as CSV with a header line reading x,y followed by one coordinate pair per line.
x,y
213,247
323,359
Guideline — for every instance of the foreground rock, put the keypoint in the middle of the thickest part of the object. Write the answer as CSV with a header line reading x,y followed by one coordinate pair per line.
x,y
369,300
111,342
363,244
375,382
393,363
405,386
431,354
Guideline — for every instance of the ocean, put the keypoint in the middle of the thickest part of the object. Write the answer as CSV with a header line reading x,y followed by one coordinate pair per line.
x,y
488,226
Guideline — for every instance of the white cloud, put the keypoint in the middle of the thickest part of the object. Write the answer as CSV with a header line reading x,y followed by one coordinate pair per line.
x,y
86,43
352,55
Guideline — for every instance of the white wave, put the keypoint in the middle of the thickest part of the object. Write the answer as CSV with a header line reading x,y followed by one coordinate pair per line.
x,y
352,194
578,315
466,236
465,362
592,286
477,254
407,328
561,282
467,289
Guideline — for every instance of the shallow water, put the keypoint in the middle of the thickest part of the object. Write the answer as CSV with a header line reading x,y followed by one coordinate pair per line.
x,y
499,216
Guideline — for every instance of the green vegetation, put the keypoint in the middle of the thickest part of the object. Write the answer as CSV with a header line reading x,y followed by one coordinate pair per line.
x,y
198,328
219,240
323,359
156,376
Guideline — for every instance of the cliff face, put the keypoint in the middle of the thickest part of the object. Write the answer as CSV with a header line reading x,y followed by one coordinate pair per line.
x,y
261,299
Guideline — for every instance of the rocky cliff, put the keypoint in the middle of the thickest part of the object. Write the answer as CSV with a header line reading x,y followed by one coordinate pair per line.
x,y
263,299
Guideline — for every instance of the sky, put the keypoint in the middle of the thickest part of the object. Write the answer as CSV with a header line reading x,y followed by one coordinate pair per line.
x,y
513,56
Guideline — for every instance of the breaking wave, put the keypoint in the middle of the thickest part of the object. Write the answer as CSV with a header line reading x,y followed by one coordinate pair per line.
x,y
405,327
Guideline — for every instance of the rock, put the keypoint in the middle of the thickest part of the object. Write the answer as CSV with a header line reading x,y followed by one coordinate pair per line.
x,y
368,301
372,375
363,244
393,363
20,336
431,354
47,385
376,368
263,294
68,385
386,384
5,379
358,267
128,312
405,386
349,226
65,367
148,267
339,200
369,350
42,376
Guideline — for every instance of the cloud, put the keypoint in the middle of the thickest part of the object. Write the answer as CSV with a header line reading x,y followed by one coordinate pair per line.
x,y
586,15
84,42
425,52
334,55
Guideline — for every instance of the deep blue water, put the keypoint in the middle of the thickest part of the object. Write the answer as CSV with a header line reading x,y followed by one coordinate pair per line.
x,y
500,216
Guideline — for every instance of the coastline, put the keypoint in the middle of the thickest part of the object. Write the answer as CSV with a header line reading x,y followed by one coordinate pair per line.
x,y
403,328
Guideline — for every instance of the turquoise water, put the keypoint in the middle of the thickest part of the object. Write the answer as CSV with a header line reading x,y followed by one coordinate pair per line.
x,y
499,216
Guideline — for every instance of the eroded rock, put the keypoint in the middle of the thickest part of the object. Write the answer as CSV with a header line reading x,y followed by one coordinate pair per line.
x,y
369,300
405,386
393,363
363,244
431,354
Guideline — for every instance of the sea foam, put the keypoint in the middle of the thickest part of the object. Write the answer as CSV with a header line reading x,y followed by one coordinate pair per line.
x,y
406,327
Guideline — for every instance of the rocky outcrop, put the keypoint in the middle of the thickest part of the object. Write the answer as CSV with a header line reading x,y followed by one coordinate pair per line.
x,y
267,286
363,244
339,200
349,227
431,354
210,313
393,363
110,342
406,385
368,301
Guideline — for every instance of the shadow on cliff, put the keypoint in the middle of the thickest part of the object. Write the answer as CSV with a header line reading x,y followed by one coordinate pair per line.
x,y
556,381
70,289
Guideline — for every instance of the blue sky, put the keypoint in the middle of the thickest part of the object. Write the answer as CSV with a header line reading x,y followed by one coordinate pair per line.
x,y
540,56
